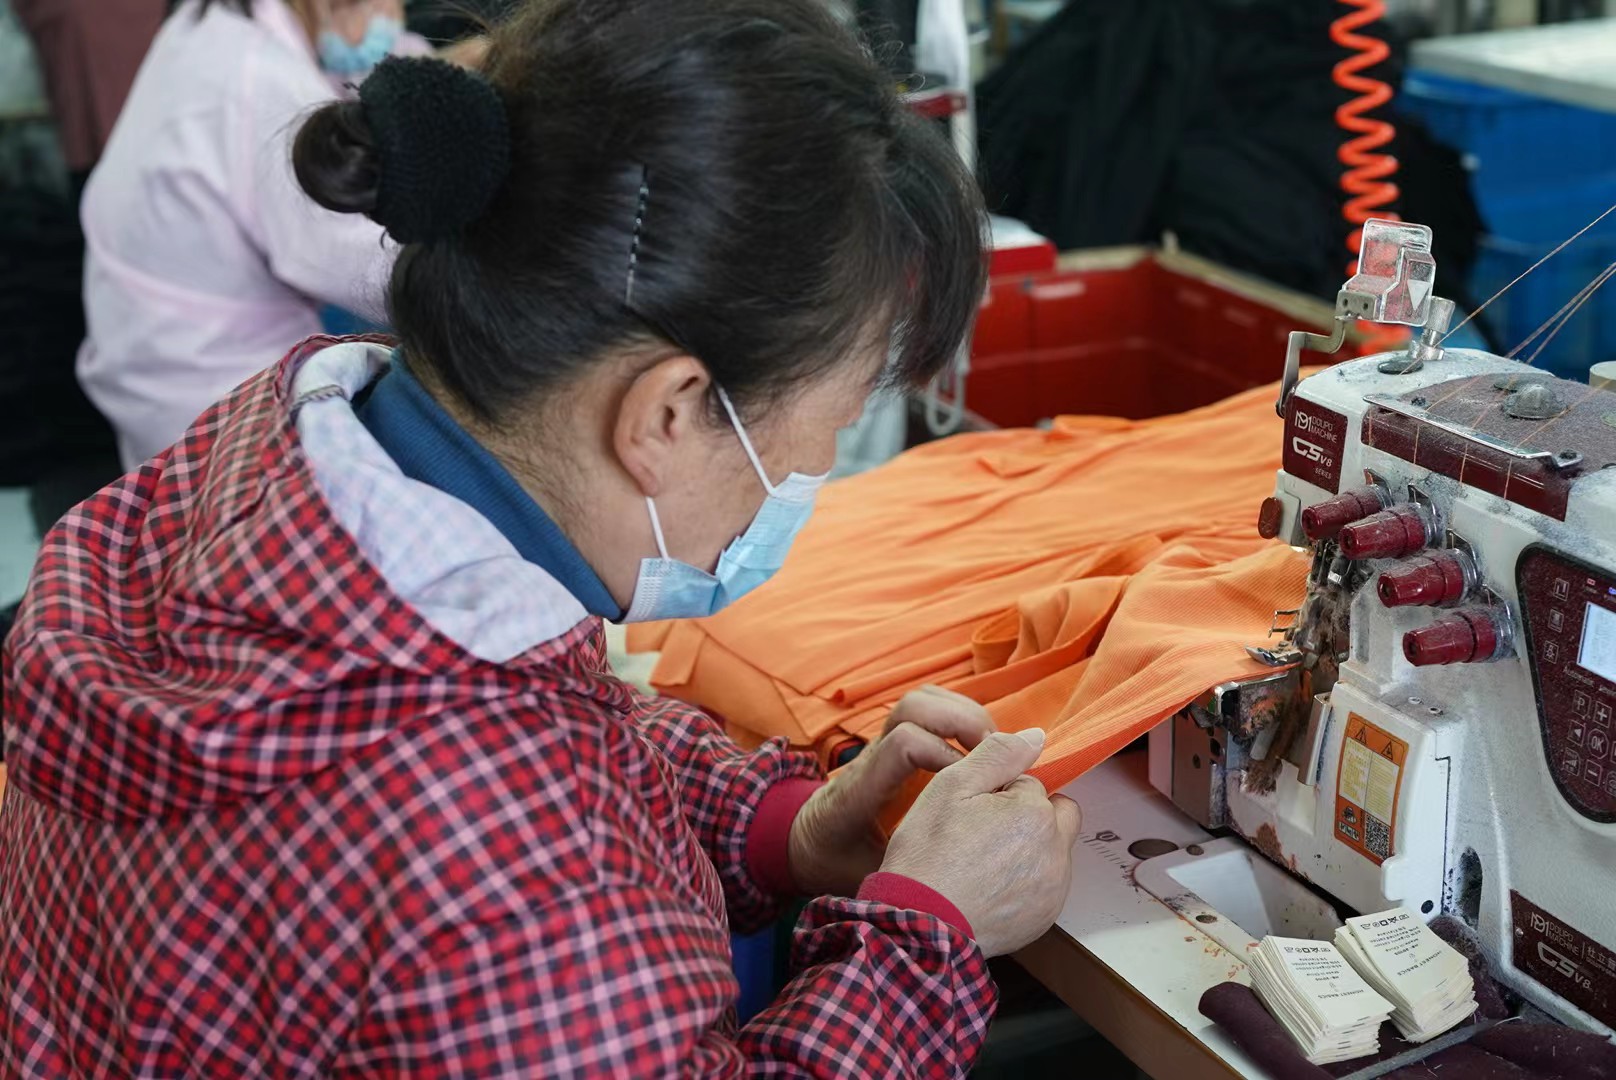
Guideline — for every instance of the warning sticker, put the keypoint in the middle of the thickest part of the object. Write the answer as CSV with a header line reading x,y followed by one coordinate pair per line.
x,y
1564,960
1366,789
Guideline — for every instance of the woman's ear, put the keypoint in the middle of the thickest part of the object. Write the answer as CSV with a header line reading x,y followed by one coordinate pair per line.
x,y
659,419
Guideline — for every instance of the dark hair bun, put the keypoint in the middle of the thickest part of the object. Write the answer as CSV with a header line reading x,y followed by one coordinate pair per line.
x,y
423,152
335,159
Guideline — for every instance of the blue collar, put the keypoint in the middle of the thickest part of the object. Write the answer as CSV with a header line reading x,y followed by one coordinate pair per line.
x,y
429,446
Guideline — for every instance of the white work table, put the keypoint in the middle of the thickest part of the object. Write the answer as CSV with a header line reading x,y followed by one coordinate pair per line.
x,y
1567,62
1126,963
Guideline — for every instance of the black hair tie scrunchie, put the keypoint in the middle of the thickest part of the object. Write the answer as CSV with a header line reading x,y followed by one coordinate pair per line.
x,y
443,146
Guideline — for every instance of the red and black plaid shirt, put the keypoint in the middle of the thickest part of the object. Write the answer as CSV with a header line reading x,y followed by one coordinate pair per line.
x,y
263,819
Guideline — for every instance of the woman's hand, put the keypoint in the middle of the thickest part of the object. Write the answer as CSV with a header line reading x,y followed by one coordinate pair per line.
x,y
835,842
993,842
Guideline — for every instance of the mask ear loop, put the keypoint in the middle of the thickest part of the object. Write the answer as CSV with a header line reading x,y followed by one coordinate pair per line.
x,y
656,527
746,443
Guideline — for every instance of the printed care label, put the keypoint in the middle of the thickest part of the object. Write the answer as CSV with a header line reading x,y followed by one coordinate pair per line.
x,y
1413,960
1326,983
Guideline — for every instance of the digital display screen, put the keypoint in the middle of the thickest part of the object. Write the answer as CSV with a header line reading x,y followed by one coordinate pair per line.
x,y
1599,642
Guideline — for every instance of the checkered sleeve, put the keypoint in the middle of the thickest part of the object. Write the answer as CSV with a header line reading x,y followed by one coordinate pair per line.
x,y
878,991
623,981
722,788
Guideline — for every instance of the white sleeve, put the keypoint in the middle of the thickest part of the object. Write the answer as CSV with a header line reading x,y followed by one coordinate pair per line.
x,y
339,259
411,44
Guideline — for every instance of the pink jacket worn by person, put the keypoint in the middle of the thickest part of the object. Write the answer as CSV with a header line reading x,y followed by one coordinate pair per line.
x,y
312,775
205,259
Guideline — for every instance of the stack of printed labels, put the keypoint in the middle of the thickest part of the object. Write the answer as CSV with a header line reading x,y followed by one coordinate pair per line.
x,y
1424,977
1325,1005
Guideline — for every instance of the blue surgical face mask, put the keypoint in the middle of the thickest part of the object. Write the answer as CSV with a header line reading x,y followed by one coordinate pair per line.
x,y
670,589
340,58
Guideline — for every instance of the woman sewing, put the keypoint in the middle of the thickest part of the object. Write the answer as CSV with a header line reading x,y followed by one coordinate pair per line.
x,y
204,258
317,767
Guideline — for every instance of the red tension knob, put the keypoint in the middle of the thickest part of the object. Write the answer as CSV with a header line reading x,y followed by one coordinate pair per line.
x,y
1390,534
1465,637
1322,521
1443,577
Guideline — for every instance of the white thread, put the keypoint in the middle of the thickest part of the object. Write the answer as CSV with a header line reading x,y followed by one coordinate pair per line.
x,y
1563,245
1580,299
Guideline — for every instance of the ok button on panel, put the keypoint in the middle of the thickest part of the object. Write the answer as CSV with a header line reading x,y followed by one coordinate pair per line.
x,y
1598,744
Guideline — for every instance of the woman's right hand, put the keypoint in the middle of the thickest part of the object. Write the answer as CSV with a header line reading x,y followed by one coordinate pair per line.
x,y
990,839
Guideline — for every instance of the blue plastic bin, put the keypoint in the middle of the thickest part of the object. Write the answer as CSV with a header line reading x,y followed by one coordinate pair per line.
x,y
1541,171
1524,229
1514,142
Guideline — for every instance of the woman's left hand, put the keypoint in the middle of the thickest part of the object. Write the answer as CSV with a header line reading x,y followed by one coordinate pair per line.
x,y
835,842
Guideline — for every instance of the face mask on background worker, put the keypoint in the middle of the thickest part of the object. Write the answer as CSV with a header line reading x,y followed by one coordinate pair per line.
x,y
354,37
670,589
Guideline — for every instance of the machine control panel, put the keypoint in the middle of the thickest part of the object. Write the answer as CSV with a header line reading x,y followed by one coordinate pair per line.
x,y
1569,608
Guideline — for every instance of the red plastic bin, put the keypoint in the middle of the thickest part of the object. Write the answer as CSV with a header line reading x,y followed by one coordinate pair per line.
x,y
1135,337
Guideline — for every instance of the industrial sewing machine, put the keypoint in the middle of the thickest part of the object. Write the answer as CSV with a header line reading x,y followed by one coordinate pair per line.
x,y
1437,731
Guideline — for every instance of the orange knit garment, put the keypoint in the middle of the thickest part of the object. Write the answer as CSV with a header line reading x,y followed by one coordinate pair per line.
x,y
1091,580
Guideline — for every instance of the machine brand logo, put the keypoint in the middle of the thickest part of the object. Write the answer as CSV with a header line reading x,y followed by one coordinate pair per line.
x,y
1564,960
1316,425
1560,963
1319,428
1348,830
1311,451
1315,439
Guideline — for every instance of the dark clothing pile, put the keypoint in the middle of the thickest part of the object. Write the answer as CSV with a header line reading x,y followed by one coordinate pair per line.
x,y
53,439
1211,119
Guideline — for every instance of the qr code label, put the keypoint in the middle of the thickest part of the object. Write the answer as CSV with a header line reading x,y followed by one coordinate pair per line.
x,y
1377,837
1369,780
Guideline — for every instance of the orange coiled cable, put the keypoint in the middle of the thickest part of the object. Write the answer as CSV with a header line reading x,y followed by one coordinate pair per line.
x,y
1366,180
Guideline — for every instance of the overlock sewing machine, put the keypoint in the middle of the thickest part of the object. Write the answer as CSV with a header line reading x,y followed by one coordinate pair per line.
x,y
1437,730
